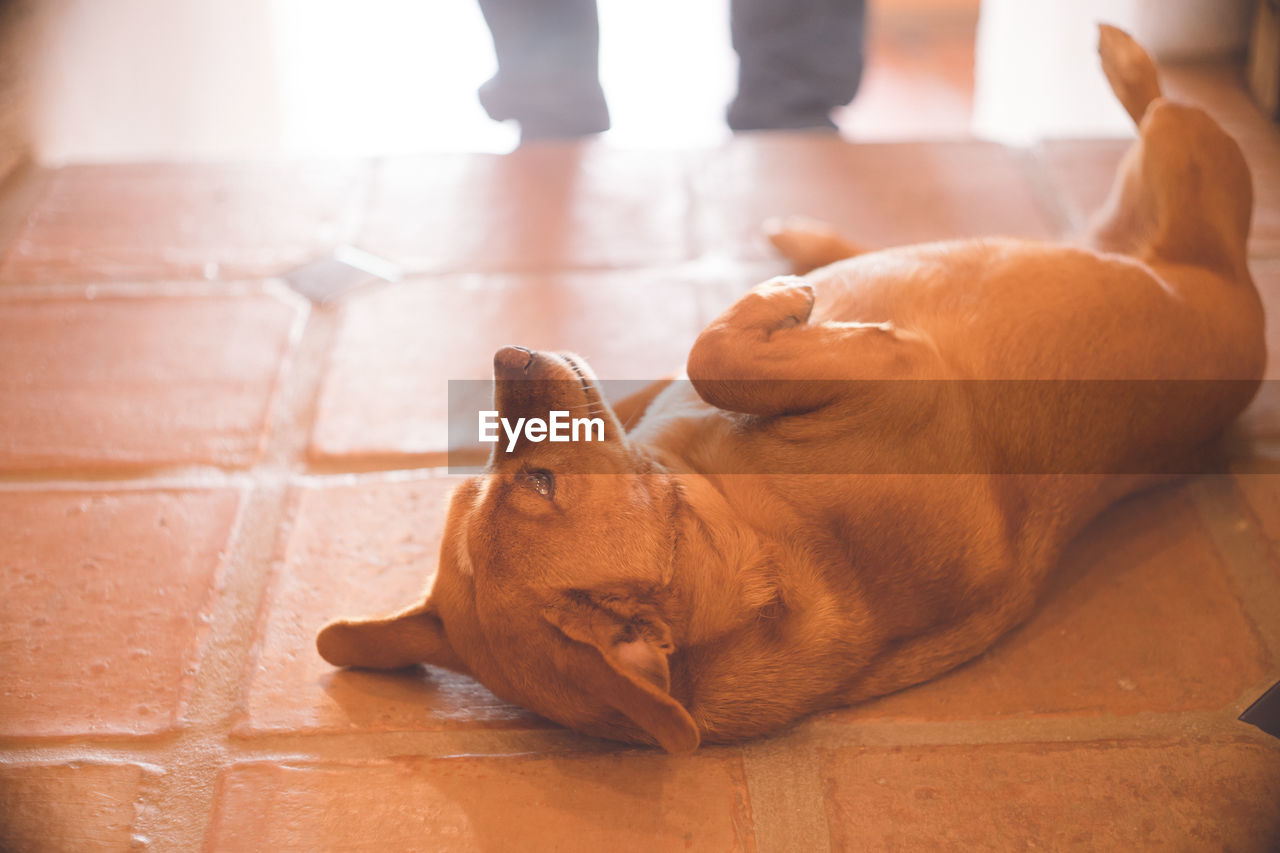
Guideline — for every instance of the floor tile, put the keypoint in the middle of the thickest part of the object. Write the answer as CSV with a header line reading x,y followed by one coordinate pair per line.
x,y
354,551
75,806
1258,480
627,801
1261,488
1142,616
1088,796
119,381
540,208
148,222
387,386
106,597
878,195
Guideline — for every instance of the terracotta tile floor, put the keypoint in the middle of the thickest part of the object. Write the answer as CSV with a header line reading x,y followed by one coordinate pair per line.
x,y
198,468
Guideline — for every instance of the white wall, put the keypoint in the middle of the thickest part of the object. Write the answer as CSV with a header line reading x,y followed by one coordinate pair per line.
x,y
121,80
142,79
1037,73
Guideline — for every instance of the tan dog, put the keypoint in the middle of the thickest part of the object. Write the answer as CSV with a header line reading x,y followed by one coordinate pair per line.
x,y
697,579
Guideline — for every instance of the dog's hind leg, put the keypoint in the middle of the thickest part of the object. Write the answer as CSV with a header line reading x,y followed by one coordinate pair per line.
x,y
921,658
1183,194
809,244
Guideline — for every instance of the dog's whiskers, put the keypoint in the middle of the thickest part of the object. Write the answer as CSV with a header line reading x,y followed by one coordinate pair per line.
x,y
593,408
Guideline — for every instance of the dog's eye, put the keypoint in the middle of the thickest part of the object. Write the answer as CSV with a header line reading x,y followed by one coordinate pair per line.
x,y
541,481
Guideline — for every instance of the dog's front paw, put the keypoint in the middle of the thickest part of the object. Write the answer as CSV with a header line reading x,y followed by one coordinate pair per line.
x,y
779,303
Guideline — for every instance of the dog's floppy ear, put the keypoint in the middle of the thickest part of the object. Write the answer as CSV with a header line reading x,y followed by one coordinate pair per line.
x,y
625,665
415,635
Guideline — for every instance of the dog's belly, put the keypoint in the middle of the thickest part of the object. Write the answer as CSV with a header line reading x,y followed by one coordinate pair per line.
x,y
1009,309
1073,361
872,495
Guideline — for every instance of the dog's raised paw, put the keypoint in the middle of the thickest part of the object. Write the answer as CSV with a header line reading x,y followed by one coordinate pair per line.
x,y
779,303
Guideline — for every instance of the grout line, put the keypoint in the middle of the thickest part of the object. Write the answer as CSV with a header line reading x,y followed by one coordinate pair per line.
x,y
264,286
1146,725
357,469
378,463
796,746
300,392
1245,552
216,737
342,746
785,789
181,802
300,399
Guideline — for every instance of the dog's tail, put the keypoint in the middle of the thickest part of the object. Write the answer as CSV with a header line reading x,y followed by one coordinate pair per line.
x,y
1129,69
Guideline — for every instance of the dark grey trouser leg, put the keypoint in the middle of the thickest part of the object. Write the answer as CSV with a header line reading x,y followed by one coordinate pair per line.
x,y
548,67
798,60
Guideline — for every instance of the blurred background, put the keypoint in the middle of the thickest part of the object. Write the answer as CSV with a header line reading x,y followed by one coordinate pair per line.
x,y
154,80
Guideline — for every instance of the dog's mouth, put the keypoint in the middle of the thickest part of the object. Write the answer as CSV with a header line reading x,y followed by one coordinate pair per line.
x,y
583,380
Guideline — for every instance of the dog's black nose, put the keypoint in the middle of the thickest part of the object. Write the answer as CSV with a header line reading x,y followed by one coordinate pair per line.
x,y
510,361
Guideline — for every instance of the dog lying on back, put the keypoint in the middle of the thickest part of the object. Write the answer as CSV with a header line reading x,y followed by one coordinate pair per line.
x,y
761,545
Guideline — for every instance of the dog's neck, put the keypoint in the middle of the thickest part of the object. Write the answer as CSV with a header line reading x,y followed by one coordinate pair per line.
x,y
716,551
737,614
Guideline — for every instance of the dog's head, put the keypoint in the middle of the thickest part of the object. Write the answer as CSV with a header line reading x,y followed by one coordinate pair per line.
x,y
553,582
